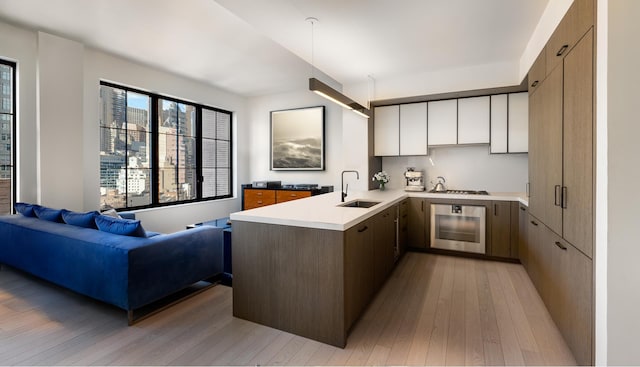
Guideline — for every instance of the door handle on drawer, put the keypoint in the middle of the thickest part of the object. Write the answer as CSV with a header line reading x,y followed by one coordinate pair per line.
x,y
363,229
534,223
562,50
561,246
259,193
533,85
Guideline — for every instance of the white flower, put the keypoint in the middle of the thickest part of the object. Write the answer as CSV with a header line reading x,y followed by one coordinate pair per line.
x,y
381,177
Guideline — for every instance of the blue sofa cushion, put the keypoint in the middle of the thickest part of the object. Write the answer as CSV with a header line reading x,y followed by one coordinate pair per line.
x,y
52,215
85,220
25,209
126,227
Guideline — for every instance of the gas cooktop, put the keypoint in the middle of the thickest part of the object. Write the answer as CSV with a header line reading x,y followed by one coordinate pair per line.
x,y
462,192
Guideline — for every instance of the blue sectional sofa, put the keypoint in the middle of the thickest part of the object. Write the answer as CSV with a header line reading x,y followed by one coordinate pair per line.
x,y
124,270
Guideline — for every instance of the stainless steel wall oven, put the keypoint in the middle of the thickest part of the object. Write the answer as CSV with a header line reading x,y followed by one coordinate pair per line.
x,y
458,227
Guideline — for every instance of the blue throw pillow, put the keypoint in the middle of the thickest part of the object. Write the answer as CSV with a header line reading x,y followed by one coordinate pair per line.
x,y
126,227
86,220
25,209
52,215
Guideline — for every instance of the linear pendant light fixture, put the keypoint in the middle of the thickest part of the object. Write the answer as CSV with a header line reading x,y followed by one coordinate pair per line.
x,y
333,95
329,93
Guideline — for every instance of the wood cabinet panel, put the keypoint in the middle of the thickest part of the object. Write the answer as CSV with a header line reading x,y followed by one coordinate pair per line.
x,y
358,270
383,246
257,198
288,195
578,146
570,292
386,131
575,23
474,115
417,224
538,71
403,218
500,212
413,129
523,245
515,230
442,122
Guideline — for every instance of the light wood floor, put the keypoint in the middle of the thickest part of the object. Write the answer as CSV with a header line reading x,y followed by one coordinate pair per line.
x,y
434,310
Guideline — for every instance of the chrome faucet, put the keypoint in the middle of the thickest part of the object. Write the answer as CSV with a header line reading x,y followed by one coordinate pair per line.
x,y
343,191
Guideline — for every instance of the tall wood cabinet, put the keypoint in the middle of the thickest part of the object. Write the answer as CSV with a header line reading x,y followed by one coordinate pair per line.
x,y
558,249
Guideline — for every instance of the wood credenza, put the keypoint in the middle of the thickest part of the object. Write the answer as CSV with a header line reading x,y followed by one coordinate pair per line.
x,y
256,198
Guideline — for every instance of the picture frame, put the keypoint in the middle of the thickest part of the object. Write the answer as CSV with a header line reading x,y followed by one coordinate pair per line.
x,y
298,139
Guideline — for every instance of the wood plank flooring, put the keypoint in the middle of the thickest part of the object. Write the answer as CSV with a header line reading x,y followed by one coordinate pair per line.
x,y
433,310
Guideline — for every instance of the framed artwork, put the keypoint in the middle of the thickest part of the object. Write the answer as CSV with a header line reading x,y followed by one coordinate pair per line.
x,y
297,139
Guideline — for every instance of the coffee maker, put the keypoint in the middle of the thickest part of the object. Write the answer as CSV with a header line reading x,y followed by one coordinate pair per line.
x,y
414,180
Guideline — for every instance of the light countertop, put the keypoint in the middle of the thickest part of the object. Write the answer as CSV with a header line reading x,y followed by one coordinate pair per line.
x,y
323,211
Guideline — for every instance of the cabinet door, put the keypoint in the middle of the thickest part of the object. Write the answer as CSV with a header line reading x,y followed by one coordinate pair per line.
x,y
417,223
386,131
473,120
501,229
575,23
499,114
537,73
547,180
288,195
578,146
523,246
536,254
358,268
403,218
570,300
518,122
413,129
442,122
384,244
258,198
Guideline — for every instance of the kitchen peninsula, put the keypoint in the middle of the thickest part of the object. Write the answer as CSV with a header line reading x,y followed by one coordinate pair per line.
x,y
311,266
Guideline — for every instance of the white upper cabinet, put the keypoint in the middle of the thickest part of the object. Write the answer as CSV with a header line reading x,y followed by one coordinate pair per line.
x,y
386,131
413,129
442,122
510,123
473,120
499,115
518,122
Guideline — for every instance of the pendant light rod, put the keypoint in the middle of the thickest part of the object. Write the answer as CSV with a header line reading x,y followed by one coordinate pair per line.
x,y
326,91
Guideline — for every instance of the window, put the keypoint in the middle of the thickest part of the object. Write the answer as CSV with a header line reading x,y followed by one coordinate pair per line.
x,y
7,126
156,150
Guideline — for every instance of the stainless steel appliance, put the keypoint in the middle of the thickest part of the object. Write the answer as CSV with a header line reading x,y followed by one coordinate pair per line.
x,y
462,192
458,227
414,180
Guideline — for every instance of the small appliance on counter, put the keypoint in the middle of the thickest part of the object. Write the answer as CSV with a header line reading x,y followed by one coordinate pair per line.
x,y
266,184
414,180
439,186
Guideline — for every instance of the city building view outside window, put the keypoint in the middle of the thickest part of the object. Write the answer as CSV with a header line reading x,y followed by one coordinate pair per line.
x,y
7,136
157,151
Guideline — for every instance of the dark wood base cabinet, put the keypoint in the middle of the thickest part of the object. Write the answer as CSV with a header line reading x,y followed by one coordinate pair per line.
x,y
311,282
563,276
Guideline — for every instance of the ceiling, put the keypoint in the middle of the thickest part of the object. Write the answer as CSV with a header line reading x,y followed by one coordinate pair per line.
x,y
257,47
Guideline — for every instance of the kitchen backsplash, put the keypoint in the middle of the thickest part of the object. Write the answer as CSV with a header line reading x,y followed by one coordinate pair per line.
x,y
465,168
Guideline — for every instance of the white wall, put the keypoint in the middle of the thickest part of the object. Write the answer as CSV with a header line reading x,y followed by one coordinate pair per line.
x,y
465,168
59,106
59,138
20,45
102,66
623,251
258,139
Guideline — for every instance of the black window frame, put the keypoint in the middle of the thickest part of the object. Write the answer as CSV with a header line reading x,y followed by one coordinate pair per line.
x,y
155,102
13,133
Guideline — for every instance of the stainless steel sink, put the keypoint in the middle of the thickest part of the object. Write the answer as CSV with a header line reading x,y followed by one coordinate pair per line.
x,y
360,204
